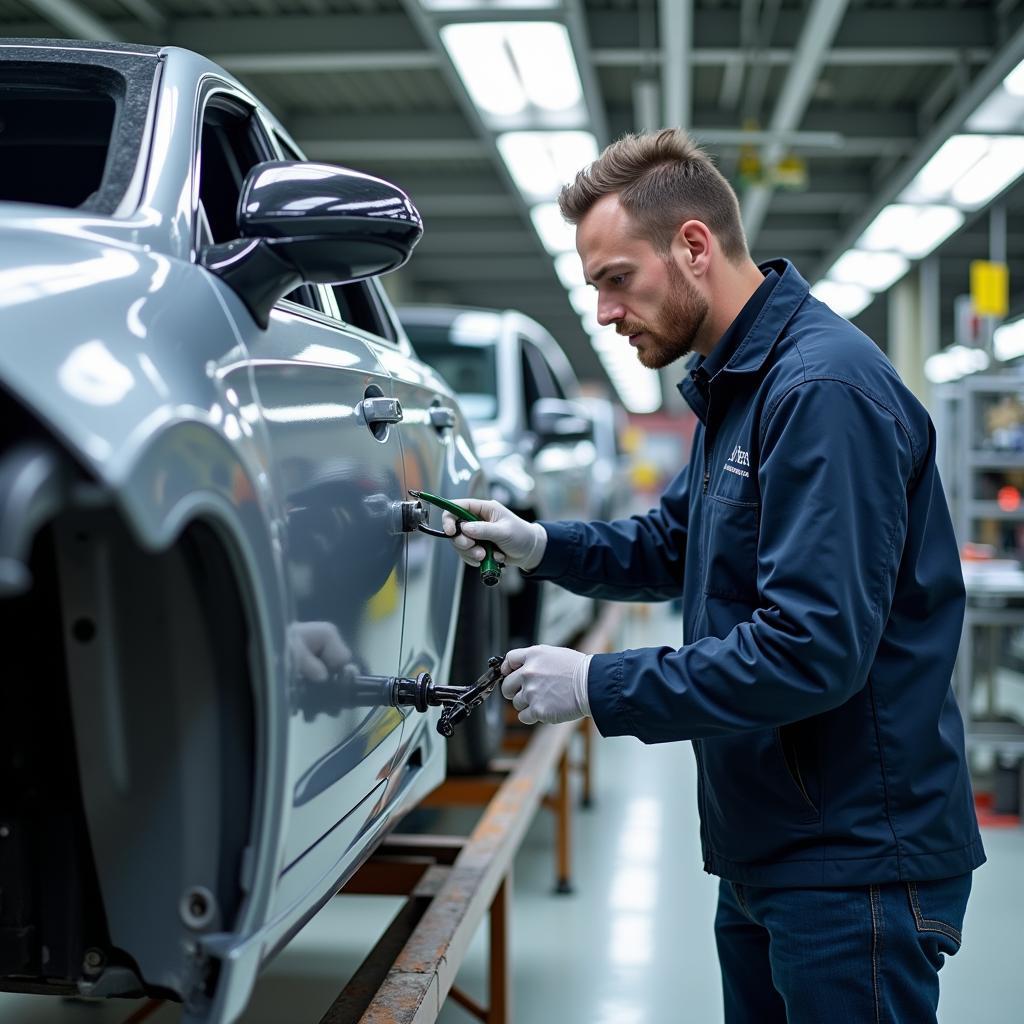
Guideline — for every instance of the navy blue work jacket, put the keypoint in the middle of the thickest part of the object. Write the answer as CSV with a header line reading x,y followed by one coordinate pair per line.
x,y
810,540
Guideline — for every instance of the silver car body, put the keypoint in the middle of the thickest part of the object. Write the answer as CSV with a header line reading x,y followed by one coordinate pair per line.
x,y
150,373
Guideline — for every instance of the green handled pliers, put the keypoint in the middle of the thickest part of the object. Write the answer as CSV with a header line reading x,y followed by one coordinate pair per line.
x,y
490,567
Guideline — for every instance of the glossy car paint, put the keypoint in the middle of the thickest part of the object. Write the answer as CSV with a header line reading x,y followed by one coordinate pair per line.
x,y
152,362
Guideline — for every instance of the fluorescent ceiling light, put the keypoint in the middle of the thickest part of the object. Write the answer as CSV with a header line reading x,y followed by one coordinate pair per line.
x,y
483,62
569,270
555,234
846,299
543,55
911,230
1013,83
509,66
542,162
1008,340
955,362
583,299
875,271
1002,164
489,5
998,114
638,387
955,157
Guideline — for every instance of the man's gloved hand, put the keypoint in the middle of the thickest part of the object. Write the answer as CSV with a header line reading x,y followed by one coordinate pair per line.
x,y
522,543
546,684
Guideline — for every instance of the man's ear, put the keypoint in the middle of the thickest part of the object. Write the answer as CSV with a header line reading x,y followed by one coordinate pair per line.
x,y
691,247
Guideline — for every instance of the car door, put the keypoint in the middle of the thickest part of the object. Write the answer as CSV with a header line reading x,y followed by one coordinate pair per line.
x,y
326,402
427,435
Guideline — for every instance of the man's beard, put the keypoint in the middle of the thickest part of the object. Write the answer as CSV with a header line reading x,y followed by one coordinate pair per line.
x,y
680,319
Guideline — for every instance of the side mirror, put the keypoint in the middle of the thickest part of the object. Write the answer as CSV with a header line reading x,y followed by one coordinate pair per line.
x,y
301,221
556,419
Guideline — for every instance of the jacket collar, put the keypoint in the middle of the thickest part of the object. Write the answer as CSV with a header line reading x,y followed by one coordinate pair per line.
x,y
756,345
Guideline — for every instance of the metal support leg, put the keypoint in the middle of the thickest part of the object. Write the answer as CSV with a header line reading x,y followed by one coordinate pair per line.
x,y
588,762
500,991
562,817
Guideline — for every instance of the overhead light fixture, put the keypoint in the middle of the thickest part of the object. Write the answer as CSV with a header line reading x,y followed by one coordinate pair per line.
x,y
954,158
583,299
1001,165
459,6
555,234
542,162
914,231
638,387
845,299
875,271
1013,83
569,270
1008,341
542,52
969,170
510,67
955,362
484,64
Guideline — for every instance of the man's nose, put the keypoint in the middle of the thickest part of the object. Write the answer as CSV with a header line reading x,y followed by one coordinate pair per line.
x,y
609,312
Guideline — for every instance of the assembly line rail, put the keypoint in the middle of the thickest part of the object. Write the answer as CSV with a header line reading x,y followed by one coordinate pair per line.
x,y
452,882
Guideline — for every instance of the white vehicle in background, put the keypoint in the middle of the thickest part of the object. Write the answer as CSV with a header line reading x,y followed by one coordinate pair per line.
x,y
610,479
532,434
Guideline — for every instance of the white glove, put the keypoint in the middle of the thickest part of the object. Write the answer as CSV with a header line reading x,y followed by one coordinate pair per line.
x,y
521,543
317,650
547,684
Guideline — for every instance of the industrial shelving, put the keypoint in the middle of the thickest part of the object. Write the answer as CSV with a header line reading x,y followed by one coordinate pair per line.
x,y
980,430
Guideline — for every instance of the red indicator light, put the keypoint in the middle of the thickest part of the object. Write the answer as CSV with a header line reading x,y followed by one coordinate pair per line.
x,y
1008,499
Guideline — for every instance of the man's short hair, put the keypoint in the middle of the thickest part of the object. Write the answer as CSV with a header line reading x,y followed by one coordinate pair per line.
x,y
662,179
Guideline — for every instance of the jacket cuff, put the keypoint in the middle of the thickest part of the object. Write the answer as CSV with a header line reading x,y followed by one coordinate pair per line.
x,y
604,690
559,552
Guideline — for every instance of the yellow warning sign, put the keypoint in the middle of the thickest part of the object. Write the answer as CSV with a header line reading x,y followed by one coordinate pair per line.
x,y
990,288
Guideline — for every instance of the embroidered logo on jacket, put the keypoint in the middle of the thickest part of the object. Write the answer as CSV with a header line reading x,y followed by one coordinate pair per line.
x,y
739,462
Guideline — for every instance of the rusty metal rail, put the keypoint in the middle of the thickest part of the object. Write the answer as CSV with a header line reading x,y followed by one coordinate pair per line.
x,y
452,882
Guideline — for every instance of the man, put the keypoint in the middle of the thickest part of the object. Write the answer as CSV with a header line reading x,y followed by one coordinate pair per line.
x,y
822,600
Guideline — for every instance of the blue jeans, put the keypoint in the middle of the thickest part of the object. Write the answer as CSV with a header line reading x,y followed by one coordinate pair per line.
x,y
867,955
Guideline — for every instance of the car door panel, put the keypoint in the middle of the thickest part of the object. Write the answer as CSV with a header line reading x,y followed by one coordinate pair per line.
x,y
345,562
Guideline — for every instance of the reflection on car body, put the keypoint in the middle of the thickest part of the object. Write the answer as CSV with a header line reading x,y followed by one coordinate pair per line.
x,y
201,579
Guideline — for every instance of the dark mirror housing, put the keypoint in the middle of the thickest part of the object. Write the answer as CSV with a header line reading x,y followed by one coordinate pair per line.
x,y
301,221
557,419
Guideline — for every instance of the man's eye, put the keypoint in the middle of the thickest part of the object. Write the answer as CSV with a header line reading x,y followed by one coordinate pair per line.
x,y
618,279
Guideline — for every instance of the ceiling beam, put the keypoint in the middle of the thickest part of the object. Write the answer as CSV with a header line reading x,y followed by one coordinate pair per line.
x,y
716,32
576,23
147,13
676,30
820,27
326,62
863,27
837,56
399,150
320,61
951,122
79,22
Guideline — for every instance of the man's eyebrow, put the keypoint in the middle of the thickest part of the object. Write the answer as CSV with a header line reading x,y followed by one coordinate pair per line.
x,y
605,270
